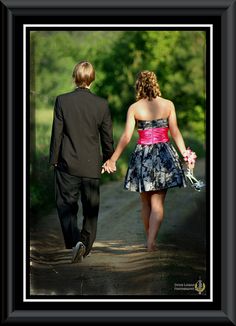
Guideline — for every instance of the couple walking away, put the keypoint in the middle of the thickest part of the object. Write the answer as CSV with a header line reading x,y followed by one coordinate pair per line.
x,y
82,126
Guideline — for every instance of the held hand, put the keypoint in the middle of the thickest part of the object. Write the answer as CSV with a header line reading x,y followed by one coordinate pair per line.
x,y
104,168
109,166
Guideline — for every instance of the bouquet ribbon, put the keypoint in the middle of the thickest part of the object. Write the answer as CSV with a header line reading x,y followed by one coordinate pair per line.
x,y
198,185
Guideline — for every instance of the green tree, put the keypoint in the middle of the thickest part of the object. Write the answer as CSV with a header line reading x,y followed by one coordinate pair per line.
x,y
177,57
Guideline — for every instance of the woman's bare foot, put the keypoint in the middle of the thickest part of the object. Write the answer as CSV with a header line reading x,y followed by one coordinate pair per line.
x,y
151,247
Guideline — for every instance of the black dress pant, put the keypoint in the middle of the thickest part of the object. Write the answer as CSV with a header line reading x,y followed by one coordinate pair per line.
x,y
68,190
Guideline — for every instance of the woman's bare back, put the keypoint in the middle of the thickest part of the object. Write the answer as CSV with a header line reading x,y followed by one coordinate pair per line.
x,y
157,108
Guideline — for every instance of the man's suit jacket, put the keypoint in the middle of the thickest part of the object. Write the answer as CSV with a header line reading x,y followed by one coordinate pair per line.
x,y
81,133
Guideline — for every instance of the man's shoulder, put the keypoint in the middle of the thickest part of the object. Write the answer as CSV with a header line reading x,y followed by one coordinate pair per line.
x,y
73,93
65,95
98,98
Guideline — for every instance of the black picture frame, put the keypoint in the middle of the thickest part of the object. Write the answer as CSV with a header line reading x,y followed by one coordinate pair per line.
x,y
14,14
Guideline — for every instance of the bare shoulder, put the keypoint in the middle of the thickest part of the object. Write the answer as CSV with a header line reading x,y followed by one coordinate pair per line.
x,y
168,103
137,106
132,108
169,106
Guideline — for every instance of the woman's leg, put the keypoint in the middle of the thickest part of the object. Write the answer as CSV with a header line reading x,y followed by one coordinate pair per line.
x,y
157,212
146,209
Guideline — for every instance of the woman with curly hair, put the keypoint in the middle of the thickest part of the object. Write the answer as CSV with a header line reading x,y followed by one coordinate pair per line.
x,y
154,164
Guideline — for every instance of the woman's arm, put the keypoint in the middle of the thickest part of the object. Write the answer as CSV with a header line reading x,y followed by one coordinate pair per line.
x,y
110,165
174,130
176,134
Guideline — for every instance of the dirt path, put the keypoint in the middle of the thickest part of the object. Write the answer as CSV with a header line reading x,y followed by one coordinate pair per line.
x,y
119,263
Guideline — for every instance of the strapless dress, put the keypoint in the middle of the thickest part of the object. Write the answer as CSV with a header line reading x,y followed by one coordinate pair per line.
x,y
154,164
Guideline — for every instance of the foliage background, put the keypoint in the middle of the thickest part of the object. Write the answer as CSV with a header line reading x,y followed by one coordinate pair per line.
x,y
177,57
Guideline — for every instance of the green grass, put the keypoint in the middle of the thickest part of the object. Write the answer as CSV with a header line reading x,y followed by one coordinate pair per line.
x,y
42,185
41,181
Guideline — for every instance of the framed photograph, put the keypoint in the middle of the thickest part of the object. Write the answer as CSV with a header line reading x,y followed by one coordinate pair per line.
x,y
190,46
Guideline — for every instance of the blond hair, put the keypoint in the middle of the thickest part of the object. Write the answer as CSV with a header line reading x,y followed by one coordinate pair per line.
x,y
147,85
83,74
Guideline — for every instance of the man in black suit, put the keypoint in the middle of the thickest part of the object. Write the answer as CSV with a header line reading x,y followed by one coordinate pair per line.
x,y
81,140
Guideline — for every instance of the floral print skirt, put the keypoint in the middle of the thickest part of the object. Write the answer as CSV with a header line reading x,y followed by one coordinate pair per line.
x,y
154,167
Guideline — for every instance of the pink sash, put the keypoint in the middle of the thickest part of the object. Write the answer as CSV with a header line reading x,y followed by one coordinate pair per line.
x,y
153,136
